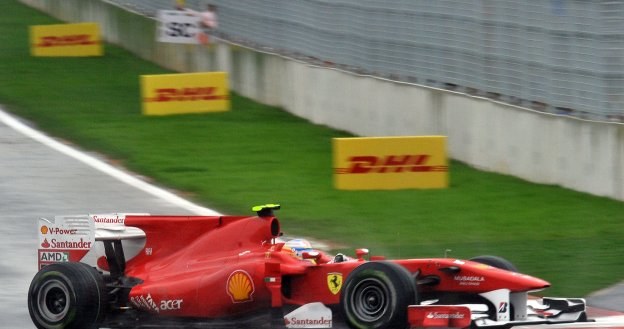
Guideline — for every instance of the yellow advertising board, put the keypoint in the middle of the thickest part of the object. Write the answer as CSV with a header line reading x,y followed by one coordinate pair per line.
x,y
388,163
66,40
166,94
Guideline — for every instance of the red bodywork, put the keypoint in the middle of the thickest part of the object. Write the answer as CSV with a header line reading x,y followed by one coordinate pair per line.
x,y
215,266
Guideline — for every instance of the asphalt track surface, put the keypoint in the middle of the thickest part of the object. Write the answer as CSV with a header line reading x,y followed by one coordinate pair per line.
x,y
39,180
42,177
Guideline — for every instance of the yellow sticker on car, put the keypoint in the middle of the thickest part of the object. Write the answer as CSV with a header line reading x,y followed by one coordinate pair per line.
x,y
334,282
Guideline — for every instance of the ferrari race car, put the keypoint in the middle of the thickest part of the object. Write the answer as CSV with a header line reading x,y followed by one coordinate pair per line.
x,y
139,270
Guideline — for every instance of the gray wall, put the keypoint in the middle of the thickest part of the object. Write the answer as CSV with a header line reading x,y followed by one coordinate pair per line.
x,y
582,155
562,56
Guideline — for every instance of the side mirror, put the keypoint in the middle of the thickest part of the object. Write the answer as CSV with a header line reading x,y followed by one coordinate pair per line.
x,y
315,255
360,253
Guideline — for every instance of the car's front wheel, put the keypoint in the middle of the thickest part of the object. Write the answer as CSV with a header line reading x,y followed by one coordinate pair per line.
x,y
67,295
376,295
495,261
503,264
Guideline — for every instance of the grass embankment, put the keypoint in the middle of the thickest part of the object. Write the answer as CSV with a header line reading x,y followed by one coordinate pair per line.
x,y
257,154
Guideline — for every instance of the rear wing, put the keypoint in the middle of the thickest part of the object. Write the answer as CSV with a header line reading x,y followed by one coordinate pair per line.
x,y
72,238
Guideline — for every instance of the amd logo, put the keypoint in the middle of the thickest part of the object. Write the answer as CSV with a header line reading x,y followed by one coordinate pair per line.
x,y
52,256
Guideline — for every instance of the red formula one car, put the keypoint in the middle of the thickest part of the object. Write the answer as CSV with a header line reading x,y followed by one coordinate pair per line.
x,y
219,271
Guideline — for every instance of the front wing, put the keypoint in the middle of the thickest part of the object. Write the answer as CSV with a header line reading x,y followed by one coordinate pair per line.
x,y
537,311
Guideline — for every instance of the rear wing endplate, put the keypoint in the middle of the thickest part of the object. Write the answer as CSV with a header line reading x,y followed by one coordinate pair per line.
x,y
70,238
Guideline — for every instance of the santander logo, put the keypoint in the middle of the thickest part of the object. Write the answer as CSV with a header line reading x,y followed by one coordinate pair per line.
x,y
439,315
103,219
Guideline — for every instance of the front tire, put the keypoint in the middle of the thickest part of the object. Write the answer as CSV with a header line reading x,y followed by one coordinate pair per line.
x,y
67,296
495,261
503,264
376,295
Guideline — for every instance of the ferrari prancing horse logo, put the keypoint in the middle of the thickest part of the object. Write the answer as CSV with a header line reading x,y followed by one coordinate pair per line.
x,y
334,282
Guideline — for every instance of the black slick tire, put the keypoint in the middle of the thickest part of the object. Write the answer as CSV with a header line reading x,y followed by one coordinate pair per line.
x,y
495,261
67,296
376,295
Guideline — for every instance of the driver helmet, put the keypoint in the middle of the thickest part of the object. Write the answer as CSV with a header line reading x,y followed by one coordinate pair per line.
x,y
297,247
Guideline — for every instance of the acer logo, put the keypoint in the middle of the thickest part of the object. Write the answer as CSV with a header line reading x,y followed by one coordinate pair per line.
x,y
66,40
173,304
365,164
187,94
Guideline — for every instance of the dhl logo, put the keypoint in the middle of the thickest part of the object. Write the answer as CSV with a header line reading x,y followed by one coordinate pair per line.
x,y
365,164
66,40
186,94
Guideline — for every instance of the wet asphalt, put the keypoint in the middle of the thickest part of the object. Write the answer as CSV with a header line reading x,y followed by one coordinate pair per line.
x,y
37,181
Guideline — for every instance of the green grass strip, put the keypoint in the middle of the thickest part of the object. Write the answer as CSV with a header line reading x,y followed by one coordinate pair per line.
x,y
256,154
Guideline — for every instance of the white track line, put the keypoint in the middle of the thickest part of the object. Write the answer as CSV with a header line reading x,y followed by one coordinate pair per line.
x,y
97,164
104,167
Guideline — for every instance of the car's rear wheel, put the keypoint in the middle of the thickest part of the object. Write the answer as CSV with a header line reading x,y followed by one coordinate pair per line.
x,y
376,295
67,295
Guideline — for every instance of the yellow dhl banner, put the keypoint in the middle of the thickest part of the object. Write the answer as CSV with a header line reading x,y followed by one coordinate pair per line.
x,y
71,40
165,94
387,163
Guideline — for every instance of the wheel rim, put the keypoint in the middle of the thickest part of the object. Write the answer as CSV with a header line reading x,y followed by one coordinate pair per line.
x,y
370,300
53,301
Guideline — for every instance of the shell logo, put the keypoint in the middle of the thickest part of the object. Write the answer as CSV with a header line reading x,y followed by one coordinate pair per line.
x,y
240,287
44,229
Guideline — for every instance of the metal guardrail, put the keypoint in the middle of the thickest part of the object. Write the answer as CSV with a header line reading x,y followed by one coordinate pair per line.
x,y
561,56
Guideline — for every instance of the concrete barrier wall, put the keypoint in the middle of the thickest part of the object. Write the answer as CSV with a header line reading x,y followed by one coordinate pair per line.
x,y
581,155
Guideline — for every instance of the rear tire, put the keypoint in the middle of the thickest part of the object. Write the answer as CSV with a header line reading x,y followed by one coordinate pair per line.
x,y
67,296
376,295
